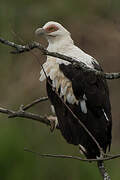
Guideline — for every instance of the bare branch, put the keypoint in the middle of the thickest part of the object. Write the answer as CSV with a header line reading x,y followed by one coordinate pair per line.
x,y
73,157
23,114
41,99
26,48
23,108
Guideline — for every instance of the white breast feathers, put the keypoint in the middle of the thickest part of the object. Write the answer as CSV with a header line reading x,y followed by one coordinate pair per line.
x,y
51,68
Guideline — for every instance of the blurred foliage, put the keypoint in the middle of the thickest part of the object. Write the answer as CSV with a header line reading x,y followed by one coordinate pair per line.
x,y
95,27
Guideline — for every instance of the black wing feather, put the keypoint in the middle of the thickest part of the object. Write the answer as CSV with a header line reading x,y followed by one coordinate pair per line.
x,y
97,94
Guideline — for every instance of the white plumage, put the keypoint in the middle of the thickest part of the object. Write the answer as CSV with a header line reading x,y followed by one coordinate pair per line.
x,y
60,41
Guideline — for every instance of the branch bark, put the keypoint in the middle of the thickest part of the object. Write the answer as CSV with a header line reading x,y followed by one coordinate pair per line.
x,y
26,48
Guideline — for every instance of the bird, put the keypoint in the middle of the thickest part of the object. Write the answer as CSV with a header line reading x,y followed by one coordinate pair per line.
x,y
76,93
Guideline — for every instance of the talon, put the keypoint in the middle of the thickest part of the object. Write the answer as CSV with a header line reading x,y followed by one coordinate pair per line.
x,y
53,122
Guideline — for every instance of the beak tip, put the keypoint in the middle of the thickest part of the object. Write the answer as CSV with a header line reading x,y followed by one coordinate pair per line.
x,y
39,31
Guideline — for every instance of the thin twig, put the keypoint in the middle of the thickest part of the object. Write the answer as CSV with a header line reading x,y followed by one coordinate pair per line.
x,y
26,48
41,99
72,157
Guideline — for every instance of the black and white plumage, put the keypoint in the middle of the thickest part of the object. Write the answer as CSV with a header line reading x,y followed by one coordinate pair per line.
x,y
87,95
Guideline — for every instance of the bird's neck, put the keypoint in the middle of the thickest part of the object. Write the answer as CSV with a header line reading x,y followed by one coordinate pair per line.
x,y
58,44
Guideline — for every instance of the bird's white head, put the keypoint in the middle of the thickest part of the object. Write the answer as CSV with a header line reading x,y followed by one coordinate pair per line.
x,y
53,31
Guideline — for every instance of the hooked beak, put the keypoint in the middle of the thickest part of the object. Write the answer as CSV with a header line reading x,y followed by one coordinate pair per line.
x,y
40,32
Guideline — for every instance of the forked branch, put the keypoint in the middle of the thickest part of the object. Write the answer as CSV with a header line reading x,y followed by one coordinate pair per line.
x,y
22,113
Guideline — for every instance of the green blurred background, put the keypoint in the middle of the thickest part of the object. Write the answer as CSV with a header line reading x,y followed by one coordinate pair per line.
x,y
95,27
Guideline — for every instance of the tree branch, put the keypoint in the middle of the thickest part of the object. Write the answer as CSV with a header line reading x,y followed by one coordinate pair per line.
x,y
26,48
24,114
23,108
41,99
73,157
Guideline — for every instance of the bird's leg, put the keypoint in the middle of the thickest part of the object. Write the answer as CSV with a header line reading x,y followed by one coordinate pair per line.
x,y
53,122
53,119
103,171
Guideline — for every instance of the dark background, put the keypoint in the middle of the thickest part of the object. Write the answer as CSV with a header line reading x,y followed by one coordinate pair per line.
x,y
95,28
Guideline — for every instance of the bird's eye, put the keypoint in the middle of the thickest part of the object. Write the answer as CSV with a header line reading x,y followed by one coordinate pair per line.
x,y
51,29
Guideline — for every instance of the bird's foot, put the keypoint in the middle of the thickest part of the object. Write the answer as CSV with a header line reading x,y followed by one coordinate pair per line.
x,y
53,122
